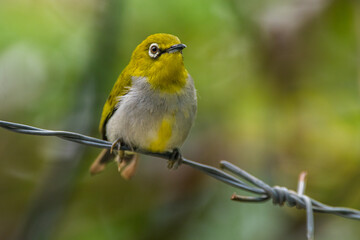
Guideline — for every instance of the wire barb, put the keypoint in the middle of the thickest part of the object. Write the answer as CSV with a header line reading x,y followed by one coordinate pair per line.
x,y
241,180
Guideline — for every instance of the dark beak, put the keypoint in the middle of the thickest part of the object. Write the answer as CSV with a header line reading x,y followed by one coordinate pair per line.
x,y
175,48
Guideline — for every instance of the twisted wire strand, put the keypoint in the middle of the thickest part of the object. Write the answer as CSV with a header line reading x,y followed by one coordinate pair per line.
x,y
264,192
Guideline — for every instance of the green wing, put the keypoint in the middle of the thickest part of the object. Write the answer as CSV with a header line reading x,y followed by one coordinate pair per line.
x,y
120,88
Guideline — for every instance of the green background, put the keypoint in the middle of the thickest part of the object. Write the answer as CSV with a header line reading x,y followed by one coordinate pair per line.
x,y
278,93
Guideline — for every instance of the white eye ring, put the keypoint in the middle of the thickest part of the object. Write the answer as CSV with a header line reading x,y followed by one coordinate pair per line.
x,y
154,50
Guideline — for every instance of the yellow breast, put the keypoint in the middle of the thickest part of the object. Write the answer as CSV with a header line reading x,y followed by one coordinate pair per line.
x,y
160,141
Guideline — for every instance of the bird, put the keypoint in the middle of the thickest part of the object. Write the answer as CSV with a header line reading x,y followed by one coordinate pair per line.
x,y
152,105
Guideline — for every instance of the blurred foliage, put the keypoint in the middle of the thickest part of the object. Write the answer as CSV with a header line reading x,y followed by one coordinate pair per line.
x,y
278,89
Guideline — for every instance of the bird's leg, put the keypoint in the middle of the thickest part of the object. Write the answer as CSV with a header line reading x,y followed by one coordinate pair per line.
x,y
120,157
121,153
175,159
126,161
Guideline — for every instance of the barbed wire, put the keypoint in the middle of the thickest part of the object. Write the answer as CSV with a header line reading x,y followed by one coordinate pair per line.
x,y
262,191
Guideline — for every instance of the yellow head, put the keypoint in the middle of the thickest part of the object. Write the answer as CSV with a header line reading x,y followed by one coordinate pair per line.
x,y
159,59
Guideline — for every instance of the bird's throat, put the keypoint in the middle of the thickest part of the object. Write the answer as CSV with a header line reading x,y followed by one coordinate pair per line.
x,y
169,78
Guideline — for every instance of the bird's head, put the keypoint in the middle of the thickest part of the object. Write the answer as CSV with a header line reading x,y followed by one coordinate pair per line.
x,y
159,59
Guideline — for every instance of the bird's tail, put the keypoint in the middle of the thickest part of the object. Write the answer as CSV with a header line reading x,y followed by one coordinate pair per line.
x,y
100,162
127,165
127,162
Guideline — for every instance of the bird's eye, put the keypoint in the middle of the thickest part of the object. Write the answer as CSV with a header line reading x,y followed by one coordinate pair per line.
x,y
154,50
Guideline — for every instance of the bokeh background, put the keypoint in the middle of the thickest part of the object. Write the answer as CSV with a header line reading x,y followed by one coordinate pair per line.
x,y
278,90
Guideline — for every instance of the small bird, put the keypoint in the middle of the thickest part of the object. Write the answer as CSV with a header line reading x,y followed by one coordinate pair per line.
x,y
152,105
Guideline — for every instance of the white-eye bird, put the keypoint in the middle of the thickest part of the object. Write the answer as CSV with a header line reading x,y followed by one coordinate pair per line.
x,y
152,105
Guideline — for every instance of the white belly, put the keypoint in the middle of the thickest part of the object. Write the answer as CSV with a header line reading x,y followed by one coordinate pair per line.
x,y
151,120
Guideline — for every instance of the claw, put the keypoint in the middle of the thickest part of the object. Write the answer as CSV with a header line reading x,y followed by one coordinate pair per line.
x,y
175,159
115,143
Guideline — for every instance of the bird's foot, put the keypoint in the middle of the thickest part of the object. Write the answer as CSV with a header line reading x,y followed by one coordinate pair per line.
x,y
117,143
175,159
